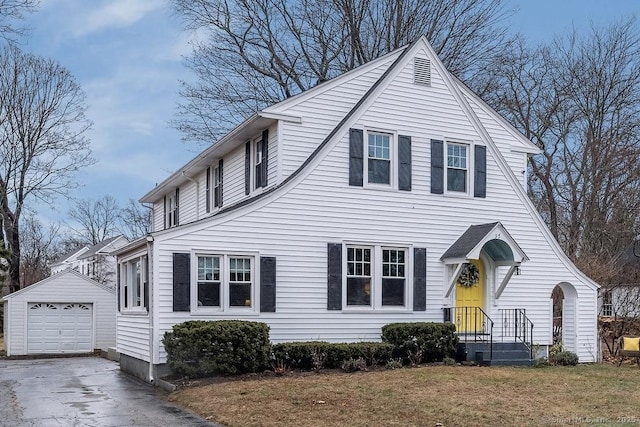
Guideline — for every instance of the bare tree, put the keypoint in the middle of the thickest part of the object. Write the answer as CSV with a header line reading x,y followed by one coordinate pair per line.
x,y
42,142
263,51
579,101
38,249
12,11
95,220
136,220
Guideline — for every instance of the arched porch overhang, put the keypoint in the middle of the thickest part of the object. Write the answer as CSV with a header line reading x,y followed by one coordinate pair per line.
x,y
495,242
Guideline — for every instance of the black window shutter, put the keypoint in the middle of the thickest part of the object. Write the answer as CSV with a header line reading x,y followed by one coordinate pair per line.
x,y
419,279
404,162
334,276
181,282
437,167
146,283
165,212
221,174
118,285
267,284
247,168
356,162
208,192
480,171
265,157
177,207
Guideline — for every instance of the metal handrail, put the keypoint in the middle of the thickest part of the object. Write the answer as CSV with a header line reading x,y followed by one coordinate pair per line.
x,y
472,324
517,325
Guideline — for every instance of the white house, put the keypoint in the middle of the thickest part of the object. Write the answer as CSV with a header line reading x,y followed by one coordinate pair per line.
x,y
96,261
68,260
391,193
64,313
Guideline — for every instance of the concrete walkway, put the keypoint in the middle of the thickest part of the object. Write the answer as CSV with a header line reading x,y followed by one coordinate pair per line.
x,y
83,391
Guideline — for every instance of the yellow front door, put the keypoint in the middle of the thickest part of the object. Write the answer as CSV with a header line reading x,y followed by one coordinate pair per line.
x,y
469,302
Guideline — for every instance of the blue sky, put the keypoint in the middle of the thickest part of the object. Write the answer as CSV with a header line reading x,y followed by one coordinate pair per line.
x,y
127,55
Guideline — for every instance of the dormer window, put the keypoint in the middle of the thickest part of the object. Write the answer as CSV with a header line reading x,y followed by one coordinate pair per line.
x,y
171,208
256,165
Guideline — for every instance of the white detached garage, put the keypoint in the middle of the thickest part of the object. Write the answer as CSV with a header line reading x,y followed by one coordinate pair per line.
x,y
64,313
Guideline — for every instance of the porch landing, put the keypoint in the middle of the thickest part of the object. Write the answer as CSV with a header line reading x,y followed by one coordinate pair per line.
x,y
496,354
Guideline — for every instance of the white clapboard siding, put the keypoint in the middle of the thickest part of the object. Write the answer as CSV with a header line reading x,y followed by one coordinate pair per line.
x,y
322,112
296,228
295,223
65,287
158,215
133,335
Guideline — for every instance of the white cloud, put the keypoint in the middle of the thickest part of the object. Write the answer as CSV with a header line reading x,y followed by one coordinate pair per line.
x,y
116,14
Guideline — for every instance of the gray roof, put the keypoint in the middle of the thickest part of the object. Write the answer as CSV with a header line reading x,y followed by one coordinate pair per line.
x,y
468,240
66,255
99,246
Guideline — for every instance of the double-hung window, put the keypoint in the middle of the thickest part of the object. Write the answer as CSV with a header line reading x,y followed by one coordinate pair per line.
x,y
379,165
376,277
256,163
457,167
607,304
224,282
171,209
358,276
393,277
217,186
133,277
209,281
258,151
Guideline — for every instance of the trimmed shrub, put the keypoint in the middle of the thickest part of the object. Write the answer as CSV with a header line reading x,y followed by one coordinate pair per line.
x,y
421,342
199,348
353,365
563,358
307,355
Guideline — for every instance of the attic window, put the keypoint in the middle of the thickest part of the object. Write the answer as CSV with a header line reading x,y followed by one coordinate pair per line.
x,y
422,71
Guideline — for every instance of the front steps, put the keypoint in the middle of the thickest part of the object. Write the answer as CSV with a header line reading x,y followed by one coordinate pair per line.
x,y
504,354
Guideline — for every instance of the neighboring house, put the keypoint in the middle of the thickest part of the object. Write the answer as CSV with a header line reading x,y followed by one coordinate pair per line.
x,y
64,313
391,193
96,262
68,260
621,298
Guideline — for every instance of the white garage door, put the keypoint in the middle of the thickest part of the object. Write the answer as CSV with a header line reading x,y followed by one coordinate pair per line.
x,y
59,328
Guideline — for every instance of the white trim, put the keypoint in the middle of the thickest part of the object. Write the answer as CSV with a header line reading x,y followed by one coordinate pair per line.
x,y
453,279
456,89
376,278
393,158
225,308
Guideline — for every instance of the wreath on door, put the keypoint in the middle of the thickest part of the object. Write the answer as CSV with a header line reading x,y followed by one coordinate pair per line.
x,y
469,276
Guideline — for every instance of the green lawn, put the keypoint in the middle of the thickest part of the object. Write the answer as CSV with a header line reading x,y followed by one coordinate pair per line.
x,y
602,395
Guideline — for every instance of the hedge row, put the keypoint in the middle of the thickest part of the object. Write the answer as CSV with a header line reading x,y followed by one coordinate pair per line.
x,y
320,354
200,348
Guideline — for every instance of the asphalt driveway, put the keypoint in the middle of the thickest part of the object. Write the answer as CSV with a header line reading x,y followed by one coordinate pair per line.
x,y
83,391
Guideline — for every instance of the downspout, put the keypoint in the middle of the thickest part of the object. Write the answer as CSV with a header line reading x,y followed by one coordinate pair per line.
x,y
150,308
197,194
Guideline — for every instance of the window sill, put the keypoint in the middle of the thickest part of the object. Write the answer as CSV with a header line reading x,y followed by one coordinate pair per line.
x,y
380,187
248,312
134,312
459,195
379,310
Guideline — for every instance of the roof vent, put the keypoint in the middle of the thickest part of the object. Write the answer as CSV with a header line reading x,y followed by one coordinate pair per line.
x,y
422,71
